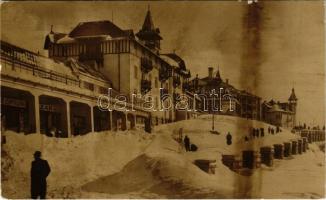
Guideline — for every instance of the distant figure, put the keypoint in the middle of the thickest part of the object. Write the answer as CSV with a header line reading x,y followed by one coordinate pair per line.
x,y
180,135
246,139
262,134
253,133
193,147
257,132
269,130
229,139
272,131
186,141
39,171
277,129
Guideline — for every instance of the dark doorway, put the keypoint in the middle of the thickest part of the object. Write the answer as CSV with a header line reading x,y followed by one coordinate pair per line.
x,y
53,116
101,119
119,121
80,116
17,110
131,121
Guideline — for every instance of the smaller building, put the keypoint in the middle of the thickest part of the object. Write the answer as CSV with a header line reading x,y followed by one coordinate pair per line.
x,y
280,114
228,99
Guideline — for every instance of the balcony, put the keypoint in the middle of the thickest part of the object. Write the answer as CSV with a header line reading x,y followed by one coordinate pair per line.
x,y
146,86
146,65
176,81
186,86
165,73
183,72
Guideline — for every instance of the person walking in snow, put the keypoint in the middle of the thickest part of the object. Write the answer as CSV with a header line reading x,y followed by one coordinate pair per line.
x,y
228,139
39,171
262,134
257,132
246,139
186,141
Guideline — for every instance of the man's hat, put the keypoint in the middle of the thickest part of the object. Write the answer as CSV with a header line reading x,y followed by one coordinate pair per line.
x,y
37,154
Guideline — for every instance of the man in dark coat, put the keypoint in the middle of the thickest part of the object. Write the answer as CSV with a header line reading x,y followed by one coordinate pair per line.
x,y
257,132
39,171
262,134
229,139
186,141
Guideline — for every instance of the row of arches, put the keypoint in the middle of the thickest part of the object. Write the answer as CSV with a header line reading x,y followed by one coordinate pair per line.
x,y
59,118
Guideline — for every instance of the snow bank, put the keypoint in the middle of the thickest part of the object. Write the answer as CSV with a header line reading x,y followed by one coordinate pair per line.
x,y
161,172
73,161
199,132
135,164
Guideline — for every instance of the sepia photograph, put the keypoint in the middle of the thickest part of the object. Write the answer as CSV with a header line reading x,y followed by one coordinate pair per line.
x,y
219,99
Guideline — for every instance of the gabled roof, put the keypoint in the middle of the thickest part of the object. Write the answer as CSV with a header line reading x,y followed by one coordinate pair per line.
x,y
52,37
98,28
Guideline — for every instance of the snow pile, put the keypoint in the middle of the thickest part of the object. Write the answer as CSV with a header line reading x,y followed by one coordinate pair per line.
x,y
162,172
213,145
134,164
73,161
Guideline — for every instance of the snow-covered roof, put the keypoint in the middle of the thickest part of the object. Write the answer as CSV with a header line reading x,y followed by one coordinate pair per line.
x,y
66,40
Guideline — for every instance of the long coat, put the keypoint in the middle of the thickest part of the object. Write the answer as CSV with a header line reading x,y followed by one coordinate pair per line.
x,y
39,171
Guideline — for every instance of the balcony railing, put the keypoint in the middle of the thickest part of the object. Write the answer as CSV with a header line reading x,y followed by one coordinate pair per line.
x,y
176,81
183,72
146,65
186,86
146,86
38,71
165,73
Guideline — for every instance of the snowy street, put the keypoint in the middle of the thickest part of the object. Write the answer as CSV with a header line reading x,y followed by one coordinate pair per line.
x,y
135,164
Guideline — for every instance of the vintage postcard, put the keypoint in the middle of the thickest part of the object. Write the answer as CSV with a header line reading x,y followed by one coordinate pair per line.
x,y
163,99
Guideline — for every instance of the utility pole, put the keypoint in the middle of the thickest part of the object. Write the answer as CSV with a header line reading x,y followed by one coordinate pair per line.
x,y
213,121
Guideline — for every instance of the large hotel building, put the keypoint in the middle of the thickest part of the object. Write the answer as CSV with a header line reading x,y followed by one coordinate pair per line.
x,y
58,95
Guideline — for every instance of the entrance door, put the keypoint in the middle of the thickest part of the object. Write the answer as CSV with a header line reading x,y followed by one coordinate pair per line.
x,y
50,123
12,117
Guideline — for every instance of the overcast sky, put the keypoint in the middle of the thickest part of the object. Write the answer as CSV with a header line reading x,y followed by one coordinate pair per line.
x,y
209,33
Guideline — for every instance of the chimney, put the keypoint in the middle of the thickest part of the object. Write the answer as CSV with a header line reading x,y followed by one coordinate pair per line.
x,y
227,81
210,72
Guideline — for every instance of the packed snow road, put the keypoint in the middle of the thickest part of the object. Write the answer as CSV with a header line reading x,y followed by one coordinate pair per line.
x,y
135,164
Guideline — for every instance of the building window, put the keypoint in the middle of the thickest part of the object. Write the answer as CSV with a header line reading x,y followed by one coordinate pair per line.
x,y
103,90
136,72
89,86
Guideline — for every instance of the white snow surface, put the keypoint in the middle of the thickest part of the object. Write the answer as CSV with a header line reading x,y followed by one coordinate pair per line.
x,y
135,164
